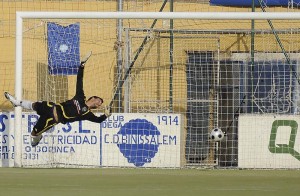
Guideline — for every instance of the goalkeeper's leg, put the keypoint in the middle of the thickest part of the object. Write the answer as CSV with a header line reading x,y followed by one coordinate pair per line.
x,y
45,122
35,140
24,103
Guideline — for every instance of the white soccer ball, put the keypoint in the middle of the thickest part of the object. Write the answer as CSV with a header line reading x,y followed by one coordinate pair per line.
x,y
216,134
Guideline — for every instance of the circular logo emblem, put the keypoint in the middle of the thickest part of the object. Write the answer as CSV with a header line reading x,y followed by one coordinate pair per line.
x,y
63,48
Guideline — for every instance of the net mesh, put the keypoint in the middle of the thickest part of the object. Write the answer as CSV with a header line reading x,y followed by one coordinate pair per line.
x,y
209,72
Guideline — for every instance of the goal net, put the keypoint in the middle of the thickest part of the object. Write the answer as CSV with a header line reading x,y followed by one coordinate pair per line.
x,y
171,78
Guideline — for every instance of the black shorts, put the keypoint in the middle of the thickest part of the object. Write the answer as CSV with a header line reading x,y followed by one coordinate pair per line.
x,y
45,110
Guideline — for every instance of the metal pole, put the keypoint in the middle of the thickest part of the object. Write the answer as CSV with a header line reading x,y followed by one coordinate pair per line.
x,y
18,92
119,57
252,56
127,108
171,59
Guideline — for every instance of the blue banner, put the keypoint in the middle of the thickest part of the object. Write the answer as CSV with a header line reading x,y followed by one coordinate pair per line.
x,y
248,3
63,49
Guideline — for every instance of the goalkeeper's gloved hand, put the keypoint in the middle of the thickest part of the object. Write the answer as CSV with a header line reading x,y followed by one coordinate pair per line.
x,y
107,111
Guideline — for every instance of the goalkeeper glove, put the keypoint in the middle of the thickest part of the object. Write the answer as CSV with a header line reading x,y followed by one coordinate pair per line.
x,y
107,111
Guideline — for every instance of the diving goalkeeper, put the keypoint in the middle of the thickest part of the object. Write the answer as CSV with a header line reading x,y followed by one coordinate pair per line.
x,y
75,109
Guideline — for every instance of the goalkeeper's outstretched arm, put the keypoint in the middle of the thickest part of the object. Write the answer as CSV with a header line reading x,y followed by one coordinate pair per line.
x,y
93,118
79,83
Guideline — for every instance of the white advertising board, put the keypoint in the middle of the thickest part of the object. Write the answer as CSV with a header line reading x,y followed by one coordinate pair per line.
x,y
150,140
131,140
268,141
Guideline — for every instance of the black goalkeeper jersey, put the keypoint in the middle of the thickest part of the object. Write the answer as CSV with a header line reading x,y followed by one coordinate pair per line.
x,y
75,109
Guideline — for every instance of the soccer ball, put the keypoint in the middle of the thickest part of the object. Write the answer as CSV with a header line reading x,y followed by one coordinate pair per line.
x,y
216,134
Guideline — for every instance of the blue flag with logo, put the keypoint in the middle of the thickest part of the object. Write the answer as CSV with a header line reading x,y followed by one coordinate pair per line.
x,y
63,49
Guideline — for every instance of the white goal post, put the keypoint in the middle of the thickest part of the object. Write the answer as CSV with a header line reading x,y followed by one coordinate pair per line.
x,y
115,15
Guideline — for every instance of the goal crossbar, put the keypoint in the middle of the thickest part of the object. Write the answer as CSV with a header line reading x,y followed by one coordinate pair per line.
x,y
164,15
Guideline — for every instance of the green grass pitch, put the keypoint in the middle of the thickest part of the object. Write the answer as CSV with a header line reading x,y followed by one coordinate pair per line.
x,y
143,182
